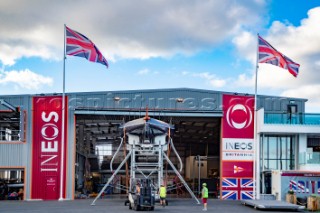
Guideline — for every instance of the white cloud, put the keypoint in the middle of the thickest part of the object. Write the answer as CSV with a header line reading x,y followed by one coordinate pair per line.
x,y
185,73
24,79
143,72
9,54
310,92
245,81
122,29
212,79
245,44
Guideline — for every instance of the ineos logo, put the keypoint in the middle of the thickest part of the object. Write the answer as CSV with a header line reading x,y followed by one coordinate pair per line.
x,y
53,135
248,117
50,126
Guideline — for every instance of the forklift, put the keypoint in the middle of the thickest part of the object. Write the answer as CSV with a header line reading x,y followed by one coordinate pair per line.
x,y
143,200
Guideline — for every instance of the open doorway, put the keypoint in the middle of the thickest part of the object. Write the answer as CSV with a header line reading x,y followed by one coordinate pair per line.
x,y
98,137
12,183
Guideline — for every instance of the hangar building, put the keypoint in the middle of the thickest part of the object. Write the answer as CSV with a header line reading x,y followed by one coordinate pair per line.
x,y
53,157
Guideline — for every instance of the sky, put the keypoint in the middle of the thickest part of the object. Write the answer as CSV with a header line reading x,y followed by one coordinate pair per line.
x,y
201,44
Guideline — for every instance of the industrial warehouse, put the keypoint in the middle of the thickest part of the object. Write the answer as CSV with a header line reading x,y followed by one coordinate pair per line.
x,y
51,152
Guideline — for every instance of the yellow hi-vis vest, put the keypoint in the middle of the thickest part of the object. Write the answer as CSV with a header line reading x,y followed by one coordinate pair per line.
x,y
205,192
163,191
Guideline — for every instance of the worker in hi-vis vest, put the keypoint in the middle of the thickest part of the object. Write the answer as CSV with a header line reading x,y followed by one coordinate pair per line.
x,y
204,196
162,194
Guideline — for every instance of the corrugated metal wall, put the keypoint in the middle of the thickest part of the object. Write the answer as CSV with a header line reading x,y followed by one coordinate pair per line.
x,y
17,155
192,100
12,155
21,101
195,100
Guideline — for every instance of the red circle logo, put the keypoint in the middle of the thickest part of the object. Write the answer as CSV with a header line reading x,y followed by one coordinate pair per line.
x,y
232,110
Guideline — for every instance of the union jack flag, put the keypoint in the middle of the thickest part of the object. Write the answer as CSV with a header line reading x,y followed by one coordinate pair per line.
x,y
303,186
237,188
79,45
269,55
299,186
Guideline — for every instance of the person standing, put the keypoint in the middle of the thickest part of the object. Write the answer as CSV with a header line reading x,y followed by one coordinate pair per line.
x,y
204,196
162,194
138,189
2,191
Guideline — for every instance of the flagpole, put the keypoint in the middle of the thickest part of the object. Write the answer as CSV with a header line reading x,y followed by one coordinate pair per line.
x,y
256,166
63,118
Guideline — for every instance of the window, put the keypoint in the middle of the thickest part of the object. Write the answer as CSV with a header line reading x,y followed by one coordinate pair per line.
x,y
103,150
314,143
278,152
12,184
12,125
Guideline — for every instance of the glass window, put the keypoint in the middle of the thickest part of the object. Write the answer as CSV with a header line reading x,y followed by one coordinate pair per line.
x,y
103,150
272,147
272,164
278,152
12,126
265,165
265,148
282,148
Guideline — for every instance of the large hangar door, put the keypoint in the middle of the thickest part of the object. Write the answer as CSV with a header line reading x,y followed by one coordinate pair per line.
x,y
98,137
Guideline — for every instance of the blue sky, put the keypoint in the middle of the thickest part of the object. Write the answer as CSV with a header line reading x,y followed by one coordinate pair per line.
x,y
204,44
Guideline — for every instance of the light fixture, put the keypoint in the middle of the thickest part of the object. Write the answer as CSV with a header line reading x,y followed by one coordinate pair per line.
x,y
179,100
117,98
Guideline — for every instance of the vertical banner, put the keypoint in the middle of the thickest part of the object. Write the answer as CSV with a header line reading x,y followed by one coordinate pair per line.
x,y
237,152
47,148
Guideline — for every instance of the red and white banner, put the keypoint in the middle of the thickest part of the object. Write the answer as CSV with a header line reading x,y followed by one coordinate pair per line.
x,y
47,148
238,116
237,147
237,169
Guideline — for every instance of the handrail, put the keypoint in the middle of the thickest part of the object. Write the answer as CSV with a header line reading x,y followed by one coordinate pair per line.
x,y
309,158
292,118
115,154
175,151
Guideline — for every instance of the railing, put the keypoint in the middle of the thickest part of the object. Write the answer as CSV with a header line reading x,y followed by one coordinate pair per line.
x,y
294,118
12,135
309,158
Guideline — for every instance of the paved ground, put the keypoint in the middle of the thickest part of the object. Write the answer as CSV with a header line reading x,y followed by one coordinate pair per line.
x,y
176,205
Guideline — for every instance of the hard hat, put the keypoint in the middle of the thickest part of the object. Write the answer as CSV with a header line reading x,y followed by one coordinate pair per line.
x,y
204,184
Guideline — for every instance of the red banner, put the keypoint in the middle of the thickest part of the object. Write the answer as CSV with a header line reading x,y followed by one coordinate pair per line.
x,y
237,147
47,148
237,169
238,116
